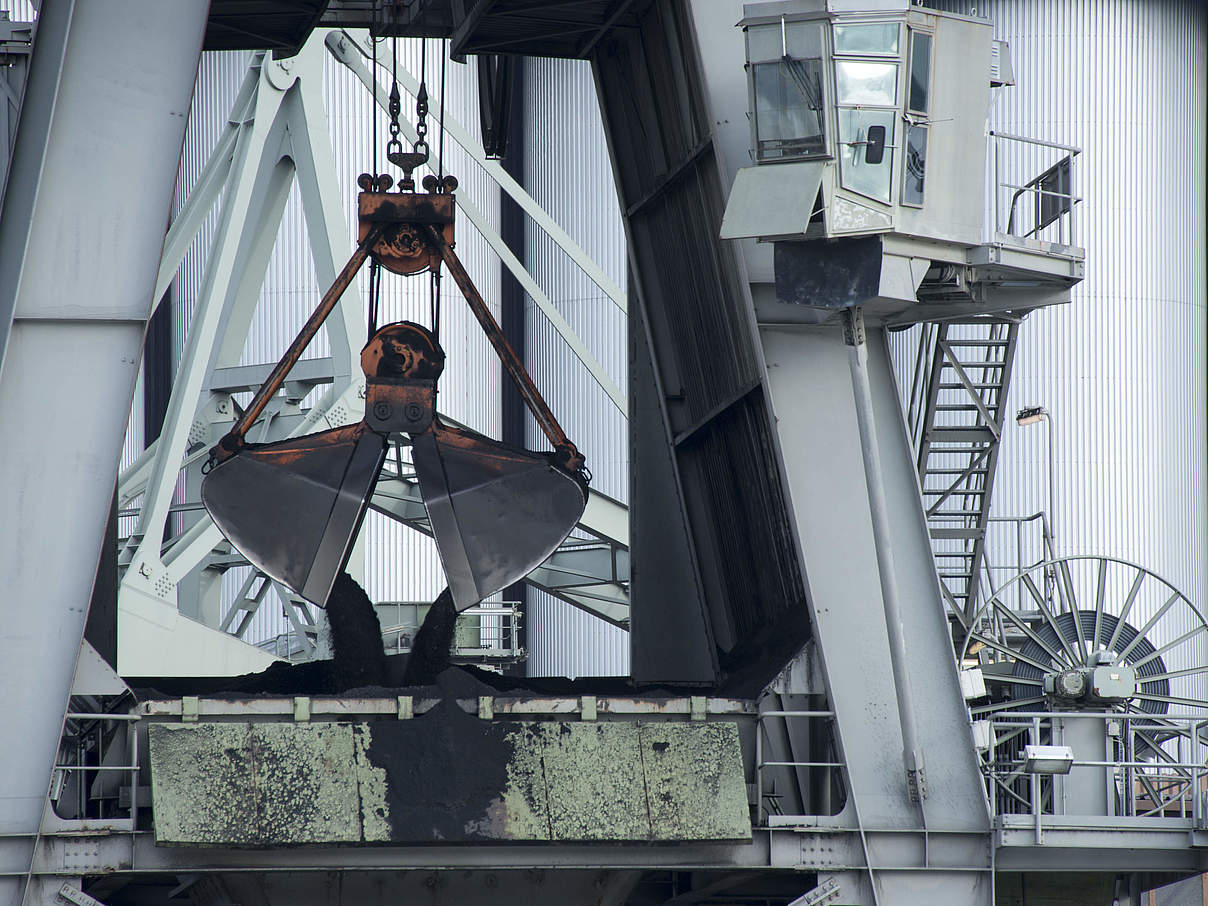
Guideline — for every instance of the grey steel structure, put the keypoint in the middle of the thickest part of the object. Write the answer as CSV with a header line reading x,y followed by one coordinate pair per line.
x,y
77,277
783,566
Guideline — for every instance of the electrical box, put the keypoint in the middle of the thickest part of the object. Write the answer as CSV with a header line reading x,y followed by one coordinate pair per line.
x,y
1114,681
973,683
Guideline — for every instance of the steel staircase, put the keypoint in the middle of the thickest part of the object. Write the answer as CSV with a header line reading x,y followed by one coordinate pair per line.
x,y
956,413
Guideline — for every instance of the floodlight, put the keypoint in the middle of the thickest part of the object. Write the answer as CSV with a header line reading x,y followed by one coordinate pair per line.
x,y
1031,415
1047,759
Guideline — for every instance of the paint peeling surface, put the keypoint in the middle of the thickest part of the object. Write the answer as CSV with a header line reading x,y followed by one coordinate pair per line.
x,y
446,777
201,783
686,765
594,782
260,784
305,783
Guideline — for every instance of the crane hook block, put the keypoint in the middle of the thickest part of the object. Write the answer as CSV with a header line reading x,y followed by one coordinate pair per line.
x,y
402,362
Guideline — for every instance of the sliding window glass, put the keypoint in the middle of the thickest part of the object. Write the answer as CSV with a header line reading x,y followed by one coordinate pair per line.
x,y
919,96
786,78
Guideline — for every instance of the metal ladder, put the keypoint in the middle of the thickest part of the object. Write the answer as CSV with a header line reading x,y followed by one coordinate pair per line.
x,y
956,413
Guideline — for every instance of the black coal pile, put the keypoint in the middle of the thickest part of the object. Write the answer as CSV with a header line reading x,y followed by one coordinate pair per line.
x,y
359,666
358,658
433,645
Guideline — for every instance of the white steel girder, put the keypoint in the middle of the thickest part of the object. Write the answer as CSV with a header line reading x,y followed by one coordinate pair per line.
x,y
277,130
83,224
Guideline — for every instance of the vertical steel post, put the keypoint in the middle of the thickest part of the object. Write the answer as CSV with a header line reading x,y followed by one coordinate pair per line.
x,y
759,771
912,753
81,233
1048,421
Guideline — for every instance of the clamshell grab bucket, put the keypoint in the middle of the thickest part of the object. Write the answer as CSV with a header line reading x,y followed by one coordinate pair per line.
x,y
497,512
294,508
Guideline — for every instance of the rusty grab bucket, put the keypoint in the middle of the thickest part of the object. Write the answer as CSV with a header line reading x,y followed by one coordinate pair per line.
x,y
497,512
294,507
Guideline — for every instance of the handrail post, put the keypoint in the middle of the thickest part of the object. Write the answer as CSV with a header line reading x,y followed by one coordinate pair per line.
x,y
759,771
1035,735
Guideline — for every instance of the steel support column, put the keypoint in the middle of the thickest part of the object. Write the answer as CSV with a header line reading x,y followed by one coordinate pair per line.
x,y
80,238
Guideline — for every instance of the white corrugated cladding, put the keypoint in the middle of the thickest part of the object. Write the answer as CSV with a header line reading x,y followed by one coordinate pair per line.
x,y
399,563
1122,368
219,76
566,169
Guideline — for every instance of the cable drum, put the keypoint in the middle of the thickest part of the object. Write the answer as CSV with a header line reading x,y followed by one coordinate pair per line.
x,y
1075,613
1141,657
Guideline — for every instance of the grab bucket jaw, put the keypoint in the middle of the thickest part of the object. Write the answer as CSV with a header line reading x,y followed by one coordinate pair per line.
x,y
294,507
497,512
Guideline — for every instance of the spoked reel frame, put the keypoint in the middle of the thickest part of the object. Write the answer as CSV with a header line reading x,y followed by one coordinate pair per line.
x,y
1046,638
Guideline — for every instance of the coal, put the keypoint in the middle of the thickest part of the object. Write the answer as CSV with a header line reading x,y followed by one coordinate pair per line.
x,y
444,773
360,667
358,658
432,648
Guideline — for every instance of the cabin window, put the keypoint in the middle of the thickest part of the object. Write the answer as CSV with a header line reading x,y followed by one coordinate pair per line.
x,y
869,105
860,82
867,40
919,98
916,165
785,60
864,172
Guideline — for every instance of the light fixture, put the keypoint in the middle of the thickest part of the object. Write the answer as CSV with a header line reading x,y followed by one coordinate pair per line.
x,y
1031,415
1047,759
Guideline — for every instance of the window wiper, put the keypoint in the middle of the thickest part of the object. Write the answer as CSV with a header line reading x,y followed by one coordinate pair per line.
x,y
809,87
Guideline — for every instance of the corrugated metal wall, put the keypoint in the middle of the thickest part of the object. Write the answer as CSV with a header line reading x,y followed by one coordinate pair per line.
x,y
399,564
566,169
1122,368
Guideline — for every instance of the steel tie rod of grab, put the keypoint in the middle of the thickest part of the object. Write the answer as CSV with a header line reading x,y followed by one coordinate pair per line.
x,y
511,362
233,439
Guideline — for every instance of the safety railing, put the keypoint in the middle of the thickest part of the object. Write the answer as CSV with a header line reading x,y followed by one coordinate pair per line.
x,y
1157,769
287,646
79,776
763,815
486,633
1024,542
1033,189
